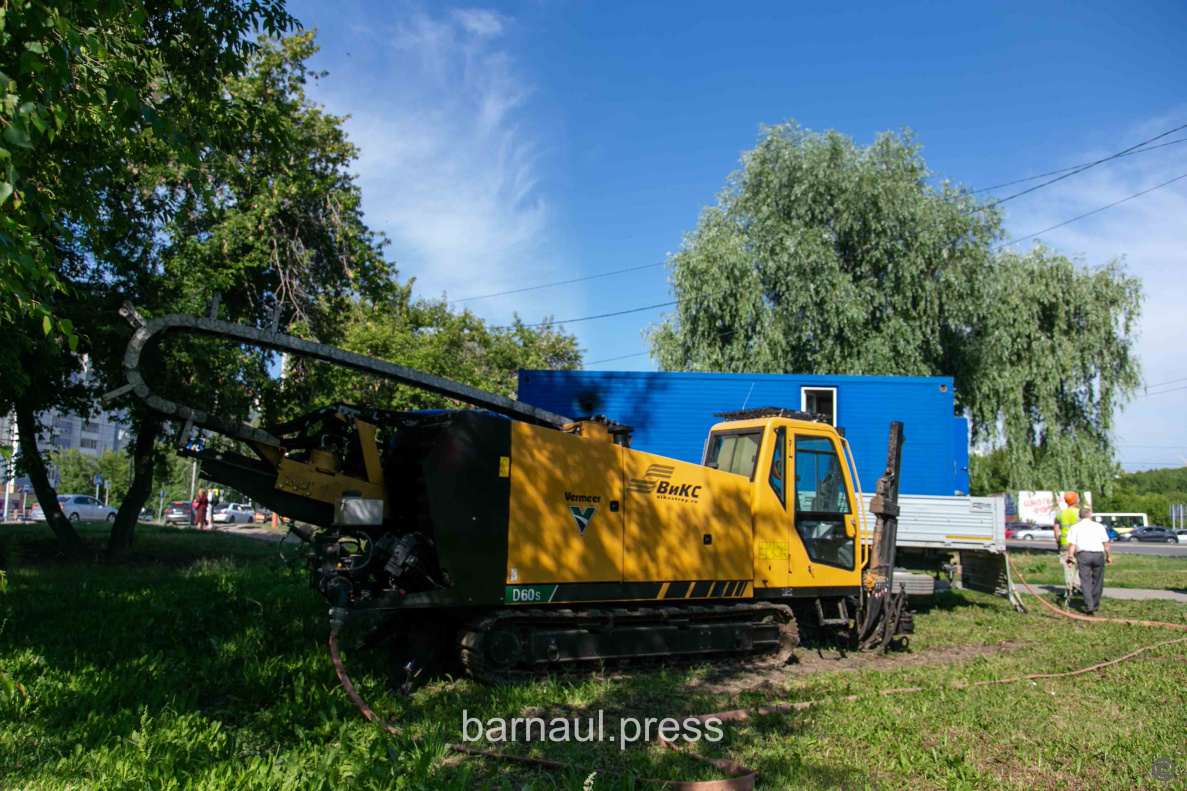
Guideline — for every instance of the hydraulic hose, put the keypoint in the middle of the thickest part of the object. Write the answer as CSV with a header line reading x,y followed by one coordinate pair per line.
x,y
1078,617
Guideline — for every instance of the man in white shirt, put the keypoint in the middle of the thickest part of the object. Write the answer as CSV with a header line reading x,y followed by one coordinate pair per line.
x,y
1088,544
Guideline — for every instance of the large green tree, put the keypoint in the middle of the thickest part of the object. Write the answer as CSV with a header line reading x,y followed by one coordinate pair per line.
x,y
822,256
276,225
94,92
271,220
77,470
85,82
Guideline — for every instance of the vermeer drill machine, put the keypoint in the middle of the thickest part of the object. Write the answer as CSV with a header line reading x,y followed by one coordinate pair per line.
x,y
522,542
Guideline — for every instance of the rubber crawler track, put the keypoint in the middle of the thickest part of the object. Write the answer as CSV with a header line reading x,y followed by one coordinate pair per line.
x,y
475,634
740,777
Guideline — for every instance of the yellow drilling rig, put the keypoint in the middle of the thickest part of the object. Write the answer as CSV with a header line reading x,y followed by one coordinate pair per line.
x,y
522,542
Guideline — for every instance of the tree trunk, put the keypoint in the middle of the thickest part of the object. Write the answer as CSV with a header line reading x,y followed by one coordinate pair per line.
x,y
47,496
144,455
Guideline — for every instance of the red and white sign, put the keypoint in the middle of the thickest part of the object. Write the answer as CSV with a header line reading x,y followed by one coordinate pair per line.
x,y
1041,508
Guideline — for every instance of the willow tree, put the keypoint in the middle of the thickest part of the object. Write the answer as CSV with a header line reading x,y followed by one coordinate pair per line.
x,y
822,256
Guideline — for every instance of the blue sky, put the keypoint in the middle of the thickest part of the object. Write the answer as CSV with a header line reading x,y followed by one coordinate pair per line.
x,y
513,144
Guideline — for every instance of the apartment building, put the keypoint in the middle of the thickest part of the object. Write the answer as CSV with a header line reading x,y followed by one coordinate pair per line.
x,y
92,436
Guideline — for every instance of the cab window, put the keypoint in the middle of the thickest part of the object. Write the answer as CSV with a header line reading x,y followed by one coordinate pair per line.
x,y
822,503
736,452
778,474
819,482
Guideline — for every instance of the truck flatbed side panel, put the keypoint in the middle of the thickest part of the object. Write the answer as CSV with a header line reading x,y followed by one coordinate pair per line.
x,y
934,522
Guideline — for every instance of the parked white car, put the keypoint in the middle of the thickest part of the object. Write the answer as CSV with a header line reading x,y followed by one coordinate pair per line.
x,y
231,513
1034,533
78,508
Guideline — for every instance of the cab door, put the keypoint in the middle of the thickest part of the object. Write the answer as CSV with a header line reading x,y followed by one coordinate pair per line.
x,y
824,515
771,509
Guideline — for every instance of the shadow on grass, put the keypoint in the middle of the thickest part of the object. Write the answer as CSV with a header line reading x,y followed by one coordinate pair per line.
x,y
948,601
207,642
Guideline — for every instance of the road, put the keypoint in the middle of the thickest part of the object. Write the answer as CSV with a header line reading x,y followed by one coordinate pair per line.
x,y
1120,547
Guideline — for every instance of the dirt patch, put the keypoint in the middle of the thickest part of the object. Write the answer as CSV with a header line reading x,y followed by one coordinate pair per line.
x,y
733,680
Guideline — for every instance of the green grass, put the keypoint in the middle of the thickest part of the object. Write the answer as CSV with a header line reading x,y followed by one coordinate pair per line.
x,y
1128,570
202,664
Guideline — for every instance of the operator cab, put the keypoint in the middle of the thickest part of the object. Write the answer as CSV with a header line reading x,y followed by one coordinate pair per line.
x,y
804,495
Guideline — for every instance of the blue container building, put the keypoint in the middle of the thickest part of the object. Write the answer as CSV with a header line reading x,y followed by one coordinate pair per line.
x,y
672,413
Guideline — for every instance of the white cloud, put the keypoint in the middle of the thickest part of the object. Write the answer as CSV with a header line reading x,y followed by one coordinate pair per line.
x,y
450,166
480,21
1151,233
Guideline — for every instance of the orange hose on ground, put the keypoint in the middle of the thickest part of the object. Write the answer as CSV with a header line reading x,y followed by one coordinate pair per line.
x,y
1078,617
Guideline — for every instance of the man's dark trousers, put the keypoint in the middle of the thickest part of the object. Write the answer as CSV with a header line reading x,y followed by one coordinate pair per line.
x,y
1092,577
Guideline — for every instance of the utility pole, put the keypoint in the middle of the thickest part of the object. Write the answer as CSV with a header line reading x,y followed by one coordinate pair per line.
x,y
193,477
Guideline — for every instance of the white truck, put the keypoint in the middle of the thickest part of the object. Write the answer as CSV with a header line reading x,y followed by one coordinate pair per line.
x,y
931,528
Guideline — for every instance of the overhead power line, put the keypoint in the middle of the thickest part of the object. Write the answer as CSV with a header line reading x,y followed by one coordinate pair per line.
x,y
1170,382
996,247
1166,464
557,283
1075,167
1067,172
612,359
1151,462
1140,445
722,334
1081,169
1089,214
591,318
1160,392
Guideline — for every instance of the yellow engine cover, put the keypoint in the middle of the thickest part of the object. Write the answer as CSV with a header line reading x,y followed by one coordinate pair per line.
x,y
562,527
684,521
585,510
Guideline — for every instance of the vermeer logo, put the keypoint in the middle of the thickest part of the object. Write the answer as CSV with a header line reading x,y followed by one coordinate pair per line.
x,y
582,516
655,481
